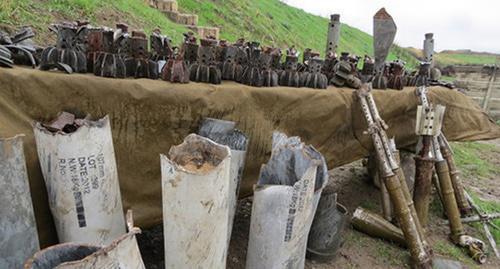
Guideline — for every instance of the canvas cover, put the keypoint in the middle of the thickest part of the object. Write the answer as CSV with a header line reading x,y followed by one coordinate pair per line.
x,y
148,117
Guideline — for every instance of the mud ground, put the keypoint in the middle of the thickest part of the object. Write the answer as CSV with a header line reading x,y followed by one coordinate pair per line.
x,y
354,189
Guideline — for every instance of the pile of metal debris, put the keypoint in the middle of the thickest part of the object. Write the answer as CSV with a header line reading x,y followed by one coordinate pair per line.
x,y
121,53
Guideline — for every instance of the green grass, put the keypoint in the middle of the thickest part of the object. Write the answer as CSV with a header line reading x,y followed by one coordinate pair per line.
x,y
39,14
472,159
449,250
487,207
444,59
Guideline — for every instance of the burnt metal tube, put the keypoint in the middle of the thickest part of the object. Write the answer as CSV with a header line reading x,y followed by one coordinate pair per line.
x,y
423,181
376,226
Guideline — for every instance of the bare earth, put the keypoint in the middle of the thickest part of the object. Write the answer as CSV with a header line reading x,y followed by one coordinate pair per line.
x,y
359,250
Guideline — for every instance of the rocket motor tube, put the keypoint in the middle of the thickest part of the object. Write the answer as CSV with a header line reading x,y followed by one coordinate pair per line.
x,y
458,187
450,204
420,258
409,199
372,224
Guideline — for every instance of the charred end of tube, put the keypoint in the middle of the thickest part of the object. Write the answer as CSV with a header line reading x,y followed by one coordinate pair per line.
x,y
51,257
68,123
198,154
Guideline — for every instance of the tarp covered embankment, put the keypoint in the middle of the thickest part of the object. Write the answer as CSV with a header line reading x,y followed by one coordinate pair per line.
x,y
148,117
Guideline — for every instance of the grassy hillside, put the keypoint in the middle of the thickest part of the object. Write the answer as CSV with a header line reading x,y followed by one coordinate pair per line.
x,y
40,13
465,58
445,58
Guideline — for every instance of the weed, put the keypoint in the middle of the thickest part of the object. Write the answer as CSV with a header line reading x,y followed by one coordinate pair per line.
x,y
487,207
472,158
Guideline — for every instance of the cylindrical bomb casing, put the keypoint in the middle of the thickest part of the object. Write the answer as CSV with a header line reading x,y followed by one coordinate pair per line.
x,y
420,257
376,226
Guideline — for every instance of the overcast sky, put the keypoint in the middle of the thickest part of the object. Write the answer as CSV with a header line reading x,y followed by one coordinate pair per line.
x,y
456,24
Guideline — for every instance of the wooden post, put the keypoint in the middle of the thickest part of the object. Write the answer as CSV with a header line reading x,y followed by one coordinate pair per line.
x,y
487,98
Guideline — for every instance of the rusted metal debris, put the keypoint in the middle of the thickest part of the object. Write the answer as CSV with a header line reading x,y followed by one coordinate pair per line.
x,y
346,72
122,53
190,48
5,57
290,76
175,69
138,63
161,50
396,79
269,75
66,51
18,48
252,74
312,77
205,68
102,57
